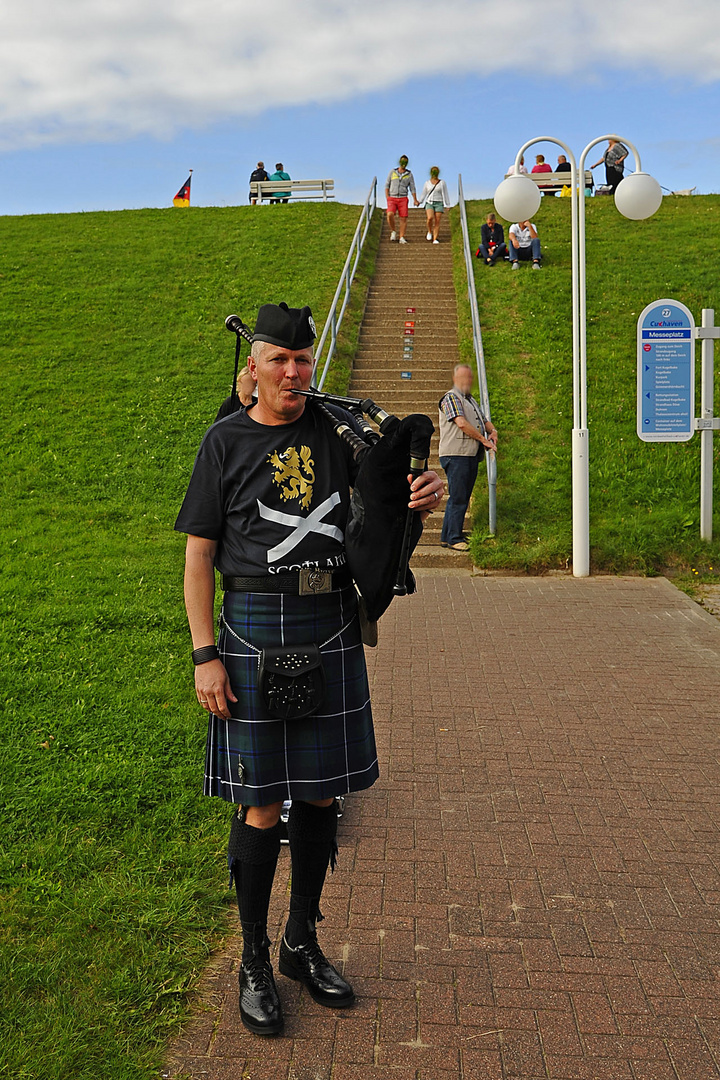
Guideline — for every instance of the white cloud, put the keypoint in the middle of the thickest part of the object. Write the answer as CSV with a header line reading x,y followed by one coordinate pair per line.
x,y
108,69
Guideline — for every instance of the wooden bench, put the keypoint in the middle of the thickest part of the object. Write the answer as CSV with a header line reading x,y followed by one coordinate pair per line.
x,y
553,182
292,189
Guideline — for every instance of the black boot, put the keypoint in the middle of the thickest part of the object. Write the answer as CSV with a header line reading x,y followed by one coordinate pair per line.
x,y
252,859
306,963
260,1008
311,832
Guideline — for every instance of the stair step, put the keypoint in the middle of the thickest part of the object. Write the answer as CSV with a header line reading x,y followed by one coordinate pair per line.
x,y
401,397
396,320
391,364
437,556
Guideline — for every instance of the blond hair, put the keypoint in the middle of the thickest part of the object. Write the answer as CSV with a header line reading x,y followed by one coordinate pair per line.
x,y
241,374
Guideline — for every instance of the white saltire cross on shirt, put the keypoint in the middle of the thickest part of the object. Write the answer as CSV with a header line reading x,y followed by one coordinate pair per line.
x,y
313,523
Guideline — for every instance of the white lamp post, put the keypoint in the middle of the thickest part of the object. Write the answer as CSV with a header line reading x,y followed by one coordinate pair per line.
x,y
517,198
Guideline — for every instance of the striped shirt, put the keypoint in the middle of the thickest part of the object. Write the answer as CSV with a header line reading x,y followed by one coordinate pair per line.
x,y
451,405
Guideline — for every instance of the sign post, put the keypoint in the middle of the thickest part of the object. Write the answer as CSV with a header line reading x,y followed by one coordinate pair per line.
x,y
666,372
707,378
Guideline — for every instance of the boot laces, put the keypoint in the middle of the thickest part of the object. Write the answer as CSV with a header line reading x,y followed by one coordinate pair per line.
x,y
312,950
259,970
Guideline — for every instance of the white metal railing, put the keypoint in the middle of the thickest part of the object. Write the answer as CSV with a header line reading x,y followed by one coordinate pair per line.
x,y
337,308
490,458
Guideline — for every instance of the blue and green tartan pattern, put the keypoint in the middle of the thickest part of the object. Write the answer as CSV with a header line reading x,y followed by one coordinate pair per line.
x,y
254,760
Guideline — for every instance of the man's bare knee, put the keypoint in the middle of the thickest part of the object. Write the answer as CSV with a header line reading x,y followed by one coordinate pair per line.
x,y
263,817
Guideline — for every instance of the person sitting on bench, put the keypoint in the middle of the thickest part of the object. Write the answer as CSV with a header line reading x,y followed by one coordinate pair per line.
x,y
541,164
563,164
492,241
524,244
522,169
279,174
256,177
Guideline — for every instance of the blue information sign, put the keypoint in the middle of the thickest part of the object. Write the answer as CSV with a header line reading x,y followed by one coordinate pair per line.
x,y
666,372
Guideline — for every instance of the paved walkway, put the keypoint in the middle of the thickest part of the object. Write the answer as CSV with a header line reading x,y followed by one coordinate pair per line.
x,y
532,889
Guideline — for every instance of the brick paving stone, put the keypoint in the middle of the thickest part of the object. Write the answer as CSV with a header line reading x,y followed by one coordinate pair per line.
x,y
534,891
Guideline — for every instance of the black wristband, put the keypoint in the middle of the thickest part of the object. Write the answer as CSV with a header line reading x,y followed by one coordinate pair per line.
x,y
206,653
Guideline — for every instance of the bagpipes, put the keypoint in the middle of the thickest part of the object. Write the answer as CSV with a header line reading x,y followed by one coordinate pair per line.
x,y
382,531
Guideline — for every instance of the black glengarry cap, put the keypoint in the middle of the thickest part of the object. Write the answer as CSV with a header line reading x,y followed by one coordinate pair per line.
x,y
289,328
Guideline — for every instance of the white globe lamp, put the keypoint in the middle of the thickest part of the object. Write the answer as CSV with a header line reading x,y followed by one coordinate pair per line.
x,y
638,196
517,198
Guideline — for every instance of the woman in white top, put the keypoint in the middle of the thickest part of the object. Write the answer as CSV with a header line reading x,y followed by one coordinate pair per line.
x,y
434,197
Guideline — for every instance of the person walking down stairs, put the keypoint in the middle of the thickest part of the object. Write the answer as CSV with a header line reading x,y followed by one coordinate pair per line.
x,y
465,434
434,197
399,181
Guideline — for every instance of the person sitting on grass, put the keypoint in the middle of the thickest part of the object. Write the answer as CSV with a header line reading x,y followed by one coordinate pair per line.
x,y
524,245
492,241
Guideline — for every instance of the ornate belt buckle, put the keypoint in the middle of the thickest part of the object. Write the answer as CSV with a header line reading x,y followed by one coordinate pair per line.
x,y
314,581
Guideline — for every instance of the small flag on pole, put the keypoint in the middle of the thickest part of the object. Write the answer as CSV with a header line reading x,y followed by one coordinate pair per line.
x,y
183,196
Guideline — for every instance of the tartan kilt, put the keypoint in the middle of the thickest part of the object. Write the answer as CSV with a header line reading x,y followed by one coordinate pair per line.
x,y
254,760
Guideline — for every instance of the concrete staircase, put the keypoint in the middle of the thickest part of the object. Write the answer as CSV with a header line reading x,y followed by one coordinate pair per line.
x,y
410,326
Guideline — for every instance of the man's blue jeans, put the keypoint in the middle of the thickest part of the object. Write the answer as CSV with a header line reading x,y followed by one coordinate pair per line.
x,y
461,475
526,253
499,252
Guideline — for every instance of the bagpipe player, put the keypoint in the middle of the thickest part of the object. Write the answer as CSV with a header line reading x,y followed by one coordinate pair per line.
x,y
285,686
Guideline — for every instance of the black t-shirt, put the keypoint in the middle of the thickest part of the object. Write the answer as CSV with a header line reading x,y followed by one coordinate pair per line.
x,y
564,166
258,174
229,406
274,498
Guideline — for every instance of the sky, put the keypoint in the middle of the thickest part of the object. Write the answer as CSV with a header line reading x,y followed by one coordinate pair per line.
x,y
106,104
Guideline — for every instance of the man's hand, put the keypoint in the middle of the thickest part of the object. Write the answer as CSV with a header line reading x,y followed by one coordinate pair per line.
x,y
417,201
213,688
426,491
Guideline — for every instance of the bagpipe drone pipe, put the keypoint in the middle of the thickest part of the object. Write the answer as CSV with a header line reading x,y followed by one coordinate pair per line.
x,y
381,532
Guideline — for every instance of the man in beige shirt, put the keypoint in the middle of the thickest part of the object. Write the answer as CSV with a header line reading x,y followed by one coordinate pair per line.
x,y
465,434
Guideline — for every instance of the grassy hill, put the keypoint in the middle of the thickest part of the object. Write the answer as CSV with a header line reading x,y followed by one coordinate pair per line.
x,y
644,512
114,360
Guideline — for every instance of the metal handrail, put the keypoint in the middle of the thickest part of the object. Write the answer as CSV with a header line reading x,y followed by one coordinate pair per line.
x,y
490,458
334,318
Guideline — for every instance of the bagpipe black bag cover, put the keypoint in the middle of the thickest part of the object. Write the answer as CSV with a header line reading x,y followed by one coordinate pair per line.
x,y
378,510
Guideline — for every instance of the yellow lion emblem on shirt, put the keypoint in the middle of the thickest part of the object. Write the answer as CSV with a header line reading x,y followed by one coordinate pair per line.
x,y
294,474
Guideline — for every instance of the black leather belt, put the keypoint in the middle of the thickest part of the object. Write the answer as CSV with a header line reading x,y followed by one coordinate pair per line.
x,y
306,582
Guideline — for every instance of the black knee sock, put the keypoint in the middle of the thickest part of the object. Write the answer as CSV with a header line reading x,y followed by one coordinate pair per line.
x,y
311,832
252,859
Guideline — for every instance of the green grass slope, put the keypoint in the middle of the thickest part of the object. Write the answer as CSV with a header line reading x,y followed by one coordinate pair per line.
x,y
114,360
644,511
